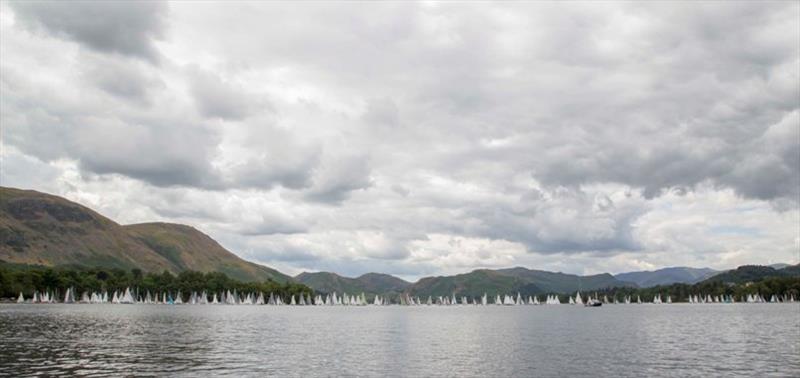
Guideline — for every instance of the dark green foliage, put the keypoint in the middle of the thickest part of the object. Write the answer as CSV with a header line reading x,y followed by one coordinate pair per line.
x,y
27,279
765,286
369,284
750,273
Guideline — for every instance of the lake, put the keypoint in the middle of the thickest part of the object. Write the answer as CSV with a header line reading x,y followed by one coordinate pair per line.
x,y
677,340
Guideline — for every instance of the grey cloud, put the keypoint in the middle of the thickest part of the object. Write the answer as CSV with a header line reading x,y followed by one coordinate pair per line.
x,y
401,190
160,149
123,27
268,171
382,113
562,221
157,145
124,79
159,153
338,178
272,224
217,99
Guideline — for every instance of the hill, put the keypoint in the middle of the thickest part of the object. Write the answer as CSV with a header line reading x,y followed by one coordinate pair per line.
x,y
667,276
513,280
754,273
370,283
42,229
189,249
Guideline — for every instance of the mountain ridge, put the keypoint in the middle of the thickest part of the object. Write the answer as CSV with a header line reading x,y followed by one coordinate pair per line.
x,y
667,276
43,229
511,280
368,283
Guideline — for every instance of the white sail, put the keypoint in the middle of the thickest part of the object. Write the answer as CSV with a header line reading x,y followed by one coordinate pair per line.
x,y
178,299
127,297
21,298
68,296
578,299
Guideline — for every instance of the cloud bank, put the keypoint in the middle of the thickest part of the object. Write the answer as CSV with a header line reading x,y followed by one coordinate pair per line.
x,y
419,138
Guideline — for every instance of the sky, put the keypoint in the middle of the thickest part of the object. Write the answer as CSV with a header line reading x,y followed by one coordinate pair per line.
x,y
419,138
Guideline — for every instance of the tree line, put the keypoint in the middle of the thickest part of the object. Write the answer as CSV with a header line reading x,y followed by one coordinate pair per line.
x,y
766,287
26,279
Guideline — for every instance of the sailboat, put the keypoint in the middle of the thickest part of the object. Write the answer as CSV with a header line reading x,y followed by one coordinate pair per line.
x,y
657,299
578,299
20,299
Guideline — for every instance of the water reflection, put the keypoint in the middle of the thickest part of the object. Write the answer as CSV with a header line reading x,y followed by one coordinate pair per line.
x,y
675,340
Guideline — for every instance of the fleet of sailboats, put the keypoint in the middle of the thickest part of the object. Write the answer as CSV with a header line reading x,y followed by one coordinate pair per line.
x,y
129,296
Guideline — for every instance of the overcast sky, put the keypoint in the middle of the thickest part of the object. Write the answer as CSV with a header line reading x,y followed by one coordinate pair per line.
x,y
419,138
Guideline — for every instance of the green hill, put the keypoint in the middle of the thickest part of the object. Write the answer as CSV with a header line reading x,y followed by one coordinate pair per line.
x,y
370,283
667,276
472,284
47,230
513,280
754,273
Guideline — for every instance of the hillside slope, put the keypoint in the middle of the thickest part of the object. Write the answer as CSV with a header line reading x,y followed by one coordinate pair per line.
x,y
42,229
509,281
754,273
667,276
186,248
370,283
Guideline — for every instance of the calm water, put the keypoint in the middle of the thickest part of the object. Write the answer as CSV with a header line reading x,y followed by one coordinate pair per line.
x,y
634,340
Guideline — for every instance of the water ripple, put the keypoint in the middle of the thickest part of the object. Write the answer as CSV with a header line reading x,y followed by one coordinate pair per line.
x,y
634,340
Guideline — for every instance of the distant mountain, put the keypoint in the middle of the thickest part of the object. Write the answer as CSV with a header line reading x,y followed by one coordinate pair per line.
x,y
779,266
667,276
42,229
754,273
792,270
513,280
370,283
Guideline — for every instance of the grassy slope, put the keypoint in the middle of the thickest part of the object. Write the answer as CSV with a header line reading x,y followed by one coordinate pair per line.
x,y
370,283
667,276
42,229
189,249
472,284
510,281
753,273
